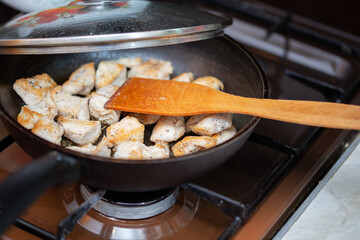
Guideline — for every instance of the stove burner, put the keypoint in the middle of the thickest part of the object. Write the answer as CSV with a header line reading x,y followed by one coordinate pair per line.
x,y
133,206
95,225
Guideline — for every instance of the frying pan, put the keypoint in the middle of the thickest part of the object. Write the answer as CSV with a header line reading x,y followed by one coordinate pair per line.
x,y
221,57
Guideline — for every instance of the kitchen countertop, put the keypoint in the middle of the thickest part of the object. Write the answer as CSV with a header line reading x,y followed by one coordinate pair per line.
x,y
332,211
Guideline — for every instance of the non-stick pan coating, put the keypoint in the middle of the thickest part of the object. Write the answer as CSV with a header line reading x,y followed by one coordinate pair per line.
x,y
220,57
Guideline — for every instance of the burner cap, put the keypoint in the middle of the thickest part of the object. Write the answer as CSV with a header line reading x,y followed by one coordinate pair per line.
x,y
124,205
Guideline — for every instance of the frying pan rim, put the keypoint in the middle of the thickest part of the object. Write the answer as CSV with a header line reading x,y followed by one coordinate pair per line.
x,y
110,160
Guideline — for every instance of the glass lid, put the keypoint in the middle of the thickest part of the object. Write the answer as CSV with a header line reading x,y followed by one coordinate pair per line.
x,y
94,25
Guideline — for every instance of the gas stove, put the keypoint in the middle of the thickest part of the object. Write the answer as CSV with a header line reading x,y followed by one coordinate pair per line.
x,y
253,194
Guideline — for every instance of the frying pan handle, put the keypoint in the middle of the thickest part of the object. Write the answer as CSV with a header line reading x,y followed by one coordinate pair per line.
x,y
23,187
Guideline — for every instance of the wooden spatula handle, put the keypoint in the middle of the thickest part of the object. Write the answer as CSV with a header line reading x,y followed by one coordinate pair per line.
x,y
322,114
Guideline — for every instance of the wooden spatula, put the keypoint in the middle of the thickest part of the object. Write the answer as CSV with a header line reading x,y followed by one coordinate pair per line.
x,y
174,98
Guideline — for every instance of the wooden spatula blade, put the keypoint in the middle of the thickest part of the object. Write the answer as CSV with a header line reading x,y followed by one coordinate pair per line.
x,y
162,97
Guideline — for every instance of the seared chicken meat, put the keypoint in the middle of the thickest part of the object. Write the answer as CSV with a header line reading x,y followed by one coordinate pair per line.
x,y
49,130
97,110
69,105
225,135
101,149
107,91
28,118
81,132
192,144
110,72
130,62
211,82
168,129
88,148
129,128
210,124
152,68
133,149
184,77
32,90
29,115
82,81
146,119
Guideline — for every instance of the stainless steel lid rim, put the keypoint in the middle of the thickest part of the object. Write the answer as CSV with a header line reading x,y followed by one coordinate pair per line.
x,y
108,38
115,45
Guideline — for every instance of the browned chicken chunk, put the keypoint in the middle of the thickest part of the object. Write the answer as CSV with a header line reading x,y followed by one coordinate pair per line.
x,y
97,110
192,144
130,62
136,150
81,132
49,130
184,77
110,72
210,124
29,115
210,81
168,129
225,135
129,128
32,90
152,68
146,119
82,81
69,105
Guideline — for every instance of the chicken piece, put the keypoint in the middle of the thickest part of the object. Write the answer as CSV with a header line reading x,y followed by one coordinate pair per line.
x,y
225,135
211,124
130,62
192,144
88,148
130,149
69,105
146,119
46,106
159,150
152,68
129,128
81,81
102,148
81,132
108,90
110,72
184,77
32,90
168,129
136,150
211,82
29,115
49,130
193,120
97,110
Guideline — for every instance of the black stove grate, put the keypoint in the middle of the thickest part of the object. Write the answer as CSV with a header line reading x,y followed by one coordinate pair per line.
x,y
283,25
